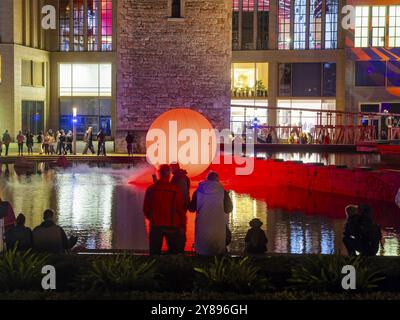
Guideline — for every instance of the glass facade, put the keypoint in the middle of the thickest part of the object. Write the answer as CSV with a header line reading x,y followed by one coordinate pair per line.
x,y
86,26
320,80
377,73
32,116
315,25
85,80
394,26
262,24
305,119
331,24
300,24
249,80
378,26
284,22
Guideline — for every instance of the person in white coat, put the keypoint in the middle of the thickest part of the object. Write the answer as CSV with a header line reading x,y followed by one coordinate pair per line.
x,y
212,204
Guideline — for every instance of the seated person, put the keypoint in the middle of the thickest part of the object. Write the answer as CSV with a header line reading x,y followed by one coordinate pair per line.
x,y
256,241
51,238
19,235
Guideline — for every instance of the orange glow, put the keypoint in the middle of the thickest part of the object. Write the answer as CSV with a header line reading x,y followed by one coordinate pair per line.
x,y
179,135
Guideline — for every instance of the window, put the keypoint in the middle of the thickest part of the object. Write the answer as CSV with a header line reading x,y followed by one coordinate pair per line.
x,y
320,80
284,17
309,86
249,80
300,24
64,29
393,71
235,25
248,25
176,9
329,80
91,21
92,112
378,26
331,24
38,74
370,73
362,27
262,24
394,26
32,116
85,80
316,24
106,25
93,25
285,79
78,25
26,73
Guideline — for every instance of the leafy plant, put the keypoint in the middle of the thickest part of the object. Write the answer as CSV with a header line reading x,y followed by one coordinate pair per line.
x,y
324,273
121,273
231,275
21,270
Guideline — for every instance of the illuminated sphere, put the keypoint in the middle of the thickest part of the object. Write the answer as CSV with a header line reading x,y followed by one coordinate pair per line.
x,y
182,143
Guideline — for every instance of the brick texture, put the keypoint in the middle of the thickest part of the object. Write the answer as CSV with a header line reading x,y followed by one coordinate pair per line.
x,y
165,63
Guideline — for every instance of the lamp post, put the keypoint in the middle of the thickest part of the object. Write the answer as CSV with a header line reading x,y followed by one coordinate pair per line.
x,y
74,121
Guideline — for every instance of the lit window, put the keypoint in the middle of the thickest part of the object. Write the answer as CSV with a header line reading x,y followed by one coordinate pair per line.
x,y
331,24
378,26
78,25
65,15
300,24
106,25
284,17
85,80
316,24
394,26
93,25
362,27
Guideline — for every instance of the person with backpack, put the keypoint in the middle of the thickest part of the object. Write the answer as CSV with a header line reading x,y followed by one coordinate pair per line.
x,y
101,143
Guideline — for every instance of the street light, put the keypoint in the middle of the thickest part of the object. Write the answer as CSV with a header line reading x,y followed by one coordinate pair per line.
x,y
74,121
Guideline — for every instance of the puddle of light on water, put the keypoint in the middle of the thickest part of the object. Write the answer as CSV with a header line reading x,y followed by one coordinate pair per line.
x,y
105,211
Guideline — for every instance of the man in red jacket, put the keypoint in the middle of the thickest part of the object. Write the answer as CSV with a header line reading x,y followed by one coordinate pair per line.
x,y
164,208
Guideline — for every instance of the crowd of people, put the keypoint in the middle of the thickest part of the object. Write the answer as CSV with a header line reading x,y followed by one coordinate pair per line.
x,y
61,142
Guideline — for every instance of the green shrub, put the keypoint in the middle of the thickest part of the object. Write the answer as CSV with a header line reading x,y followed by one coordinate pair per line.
x,y
228,274
324,273
120,273
21,270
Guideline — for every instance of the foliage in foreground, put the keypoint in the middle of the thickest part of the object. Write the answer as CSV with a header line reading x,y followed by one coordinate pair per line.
x,y
21,270
322,273
120,273
227,274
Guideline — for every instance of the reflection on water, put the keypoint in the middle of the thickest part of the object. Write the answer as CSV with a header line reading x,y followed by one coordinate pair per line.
x,y
99,205
351,161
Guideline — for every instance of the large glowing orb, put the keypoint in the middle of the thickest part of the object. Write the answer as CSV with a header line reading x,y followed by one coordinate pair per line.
x,y
184,136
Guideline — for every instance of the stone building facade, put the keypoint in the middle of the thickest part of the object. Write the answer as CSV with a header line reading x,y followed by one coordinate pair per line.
x,y
166,62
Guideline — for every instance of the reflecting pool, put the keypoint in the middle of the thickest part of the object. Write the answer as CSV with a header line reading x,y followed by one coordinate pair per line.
x,y
97,203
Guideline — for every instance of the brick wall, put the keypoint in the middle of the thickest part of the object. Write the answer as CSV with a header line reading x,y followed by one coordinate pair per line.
x,y
165,63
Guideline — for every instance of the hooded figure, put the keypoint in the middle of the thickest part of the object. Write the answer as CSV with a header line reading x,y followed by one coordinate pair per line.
x,y
212,204
256,240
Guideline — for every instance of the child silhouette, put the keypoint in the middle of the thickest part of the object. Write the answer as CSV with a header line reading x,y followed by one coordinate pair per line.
x,y
256,241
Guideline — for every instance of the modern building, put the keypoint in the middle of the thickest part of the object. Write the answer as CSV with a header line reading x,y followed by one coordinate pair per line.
x,y
122,63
